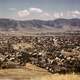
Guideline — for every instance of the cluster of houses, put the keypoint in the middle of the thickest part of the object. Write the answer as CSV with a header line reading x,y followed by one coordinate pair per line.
x,y
54,53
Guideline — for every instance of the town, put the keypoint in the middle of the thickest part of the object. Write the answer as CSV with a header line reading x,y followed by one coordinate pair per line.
x,y
57,54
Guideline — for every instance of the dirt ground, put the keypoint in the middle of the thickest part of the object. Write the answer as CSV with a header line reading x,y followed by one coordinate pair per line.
x,y
31,72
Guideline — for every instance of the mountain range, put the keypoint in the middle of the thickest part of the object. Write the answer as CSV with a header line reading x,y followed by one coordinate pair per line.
x,y
39,25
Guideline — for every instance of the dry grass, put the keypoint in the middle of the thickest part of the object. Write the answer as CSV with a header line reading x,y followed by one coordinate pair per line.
x,y
19,74
34,73
28,73
61,77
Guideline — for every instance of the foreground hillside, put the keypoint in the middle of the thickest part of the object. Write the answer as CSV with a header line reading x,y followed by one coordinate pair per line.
x,y
32,72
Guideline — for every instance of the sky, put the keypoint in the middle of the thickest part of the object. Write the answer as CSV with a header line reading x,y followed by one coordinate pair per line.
x,y
39,9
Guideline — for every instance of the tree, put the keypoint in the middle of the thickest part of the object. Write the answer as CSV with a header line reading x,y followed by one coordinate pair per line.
x,y
24,57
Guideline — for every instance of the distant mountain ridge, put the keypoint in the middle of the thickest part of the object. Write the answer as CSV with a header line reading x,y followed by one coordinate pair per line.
x,y
39,25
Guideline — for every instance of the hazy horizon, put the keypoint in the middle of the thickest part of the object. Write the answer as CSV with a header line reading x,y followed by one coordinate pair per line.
x,y
38,19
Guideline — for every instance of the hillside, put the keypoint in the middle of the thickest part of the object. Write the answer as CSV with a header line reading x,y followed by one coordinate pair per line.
x,y
39,25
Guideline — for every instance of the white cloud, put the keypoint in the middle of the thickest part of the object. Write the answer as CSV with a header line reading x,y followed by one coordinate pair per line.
x,y
30,14
46,14
23,13
73,14
76,12
38,10
66,14
56,15
62,14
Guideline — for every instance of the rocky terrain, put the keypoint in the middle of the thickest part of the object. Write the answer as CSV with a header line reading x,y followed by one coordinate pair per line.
x,y
56,54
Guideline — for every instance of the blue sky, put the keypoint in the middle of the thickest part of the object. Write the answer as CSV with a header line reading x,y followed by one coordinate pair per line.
x,y
39,9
